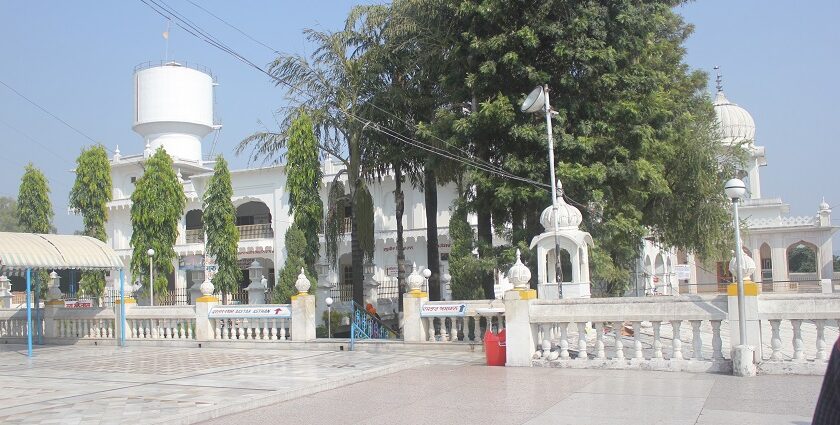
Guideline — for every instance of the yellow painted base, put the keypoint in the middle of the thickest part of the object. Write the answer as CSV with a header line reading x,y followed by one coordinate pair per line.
x,y
417,294
55,302
128,300
527,294
751,289
207,299
296,296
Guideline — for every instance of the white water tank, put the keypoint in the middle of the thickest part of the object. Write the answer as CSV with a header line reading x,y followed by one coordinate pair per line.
x,y
173,108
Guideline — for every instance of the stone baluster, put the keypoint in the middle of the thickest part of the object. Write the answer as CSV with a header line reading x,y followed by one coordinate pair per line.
x,y
190,324
146,328
477,334
676,343
821,354
453,333
167,325
637,341
564,341
619,344
282,329
717,343
697,343
263,324
273,330
431,326
798,344
443,334
582,354
238,327
254,329
90,328
657,340
217,329
599,341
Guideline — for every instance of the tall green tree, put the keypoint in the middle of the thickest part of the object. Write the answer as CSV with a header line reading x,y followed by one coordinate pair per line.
x,y
629,114
34,209
9,215
89,196
220,227
157,205
296,246
35,213
330,89
303,182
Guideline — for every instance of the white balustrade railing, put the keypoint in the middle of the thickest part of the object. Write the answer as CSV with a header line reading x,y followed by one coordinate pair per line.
x,y
471,327
154,323
798,327
84,323
623,331
13,322
252,329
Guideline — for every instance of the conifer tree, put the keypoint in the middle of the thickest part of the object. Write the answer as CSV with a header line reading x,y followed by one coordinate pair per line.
x,y
220,227
295,242
303,182
157,205
34,210
89,197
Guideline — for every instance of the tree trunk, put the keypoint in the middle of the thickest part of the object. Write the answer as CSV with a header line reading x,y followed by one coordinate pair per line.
x,y
399,202
485,240
356,254
432,250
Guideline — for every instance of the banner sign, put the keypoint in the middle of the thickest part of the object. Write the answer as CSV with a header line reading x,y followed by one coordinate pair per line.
x,y
683,271
78,304
443,310
267,311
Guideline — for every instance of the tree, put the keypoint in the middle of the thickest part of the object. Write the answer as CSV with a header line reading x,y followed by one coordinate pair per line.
x,y
34,210
89,196
157,205
303,182
330,89
629,115
802,259
35,213
465,268
296,246
220,228
9,215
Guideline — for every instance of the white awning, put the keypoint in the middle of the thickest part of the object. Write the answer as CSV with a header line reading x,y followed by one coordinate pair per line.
x,y
20,251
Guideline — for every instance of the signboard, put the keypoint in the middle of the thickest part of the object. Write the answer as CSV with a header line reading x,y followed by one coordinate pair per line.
x,y
443,310
78,304
267,311
683,271
392,271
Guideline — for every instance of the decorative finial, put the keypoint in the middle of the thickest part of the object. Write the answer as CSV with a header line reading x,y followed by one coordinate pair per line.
x,y
302,283
180,177
117,154
718,79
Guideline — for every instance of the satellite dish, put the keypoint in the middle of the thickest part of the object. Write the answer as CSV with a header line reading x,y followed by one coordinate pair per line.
x,y
535,101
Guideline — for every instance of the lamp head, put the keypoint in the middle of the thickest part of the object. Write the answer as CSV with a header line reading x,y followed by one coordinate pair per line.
x,y
427,273
329,301
735,189
535,101
150,252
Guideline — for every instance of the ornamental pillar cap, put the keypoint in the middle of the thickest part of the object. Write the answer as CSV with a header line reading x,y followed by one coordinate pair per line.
x,y
302,283
519,275
414,281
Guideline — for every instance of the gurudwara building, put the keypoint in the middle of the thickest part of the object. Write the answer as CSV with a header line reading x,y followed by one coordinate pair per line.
x,y
173,110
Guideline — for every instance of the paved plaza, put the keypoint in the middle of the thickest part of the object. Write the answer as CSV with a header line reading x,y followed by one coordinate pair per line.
x,y
97,385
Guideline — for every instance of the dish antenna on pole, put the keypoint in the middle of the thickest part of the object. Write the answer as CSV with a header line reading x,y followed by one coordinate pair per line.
x,y
535,101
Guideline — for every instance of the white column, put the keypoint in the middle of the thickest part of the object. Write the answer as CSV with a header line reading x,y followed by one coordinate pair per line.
x,y
303,317
521,336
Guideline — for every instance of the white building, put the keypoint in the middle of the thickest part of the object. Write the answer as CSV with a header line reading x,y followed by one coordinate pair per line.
x,y
174,110
771,234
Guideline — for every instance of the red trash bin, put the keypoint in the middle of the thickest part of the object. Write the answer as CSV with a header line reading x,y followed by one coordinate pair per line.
x,y
495,348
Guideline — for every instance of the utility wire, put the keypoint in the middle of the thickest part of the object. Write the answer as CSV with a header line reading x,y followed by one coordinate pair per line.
x,y
377,107
50,114
168,13
33,140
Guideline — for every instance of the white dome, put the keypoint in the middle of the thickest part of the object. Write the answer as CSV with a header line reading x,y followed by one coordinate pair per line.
x,y
569,217
736,124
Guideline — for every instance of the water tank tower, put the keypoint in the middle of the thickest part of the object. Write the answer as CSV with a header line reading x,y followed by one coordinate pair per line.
x,y
173,108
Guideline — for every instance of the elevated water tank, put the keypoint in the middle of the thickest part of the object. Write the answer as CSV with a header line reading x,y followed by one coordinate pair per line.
x,y
173,107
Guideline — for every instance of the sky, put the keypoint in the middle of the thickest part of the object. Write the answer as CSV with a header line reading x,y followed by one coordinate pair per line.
x,y
779,60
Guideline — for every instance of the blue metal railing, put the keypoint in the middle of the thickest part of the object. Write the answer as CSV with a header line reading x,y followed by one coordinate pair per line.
x,y
364,325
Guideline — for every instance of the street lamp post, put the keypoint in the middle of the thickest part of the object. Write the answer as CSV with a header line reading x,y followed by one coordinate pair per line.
x,y
329,302
538,100
735,189
151,254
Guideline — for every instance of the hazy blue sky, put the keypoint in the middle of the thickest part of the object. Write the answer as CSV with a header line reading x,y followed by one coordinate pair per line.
x,y
779,60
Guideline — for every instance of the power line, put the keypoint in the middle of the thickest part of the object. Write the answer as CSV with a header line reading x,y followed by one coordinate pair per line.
x,y
167,12
50,113
486,163
33,140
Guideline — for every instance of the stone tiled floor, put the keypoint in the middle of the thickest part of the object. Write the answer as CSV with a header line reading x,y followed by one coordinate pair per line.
x,y
467,394
99,385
